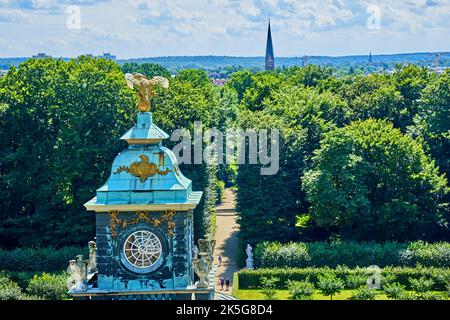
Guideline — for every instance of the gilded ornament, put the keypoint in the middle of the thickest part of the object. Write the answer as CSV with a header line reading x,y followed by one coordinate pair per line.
x,y
142,170
142,216
145,87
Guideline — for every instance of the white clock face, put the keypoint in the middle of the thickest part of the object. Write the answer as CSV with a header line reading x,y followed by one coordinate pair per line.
x,y
142,249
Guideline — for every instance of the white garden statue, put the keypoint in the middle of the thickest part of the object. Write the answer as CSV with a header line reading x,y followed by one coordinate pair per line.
x,y
250,262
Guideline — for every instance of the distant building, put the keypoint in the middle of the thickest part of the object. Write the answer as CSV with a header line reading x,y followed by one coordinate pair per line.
x,y
270,58
370,58
109,56
304,61
219,82
439,70
437,60
41,55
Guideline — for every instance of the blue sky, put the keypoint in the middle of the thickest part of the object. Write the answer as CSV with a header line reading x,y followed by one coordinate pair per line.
x,y
144,28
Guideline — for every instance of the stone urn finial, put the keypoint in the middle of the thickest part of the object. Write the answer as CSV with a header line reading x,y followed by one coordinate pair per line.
x,y
78,272
92,265
203,263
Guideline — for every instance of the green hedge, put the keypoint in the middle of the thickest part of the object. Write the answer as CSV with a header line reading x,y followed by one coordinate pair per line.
x,y
39,287
30,260
352,254
20,265
49,286
251,279
220,191
9,290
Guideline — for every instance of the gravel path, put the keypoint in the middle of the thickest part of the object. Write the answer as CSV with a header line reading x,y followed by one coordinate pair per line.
x,y
226,239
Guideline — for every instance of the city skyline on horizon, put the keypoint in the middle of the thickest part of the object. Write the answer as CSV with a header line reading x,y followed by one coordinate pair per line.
x,y
159,28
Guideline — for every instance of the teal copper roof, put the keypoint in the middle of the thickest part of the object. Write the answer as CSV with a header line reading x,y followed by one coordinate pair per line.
x,y
146,176
144,129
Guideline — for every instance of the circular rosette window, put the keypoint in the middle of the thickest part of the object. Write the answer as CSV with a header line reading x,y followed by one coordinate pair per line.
x,y
142,251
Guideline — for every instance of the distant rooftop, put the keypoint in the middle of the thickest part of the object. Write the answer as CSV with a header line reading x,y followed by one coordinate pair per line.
x,y
108,55
41,55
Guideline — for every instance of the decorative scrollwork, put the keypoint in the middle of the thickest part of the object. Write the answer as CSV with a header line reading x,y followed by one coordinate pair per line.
x,y
142,216
142,170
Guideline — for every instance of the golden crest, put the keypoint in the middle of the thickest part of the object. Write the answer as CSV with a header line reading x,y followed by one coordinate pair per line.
x,y
143,170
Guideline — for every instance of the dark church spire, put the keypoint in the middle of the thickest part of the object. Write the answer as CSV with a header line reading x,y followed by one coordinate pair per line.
x,y
270,59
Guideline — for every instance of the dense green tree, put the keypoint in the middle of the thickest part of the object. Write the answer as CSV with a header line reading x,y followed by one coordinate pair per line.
x,y
197,78
383,103
240,81
373,96
432,123
301,116
309,76
60,128
61,122
371,182
263,85
410,81
148,69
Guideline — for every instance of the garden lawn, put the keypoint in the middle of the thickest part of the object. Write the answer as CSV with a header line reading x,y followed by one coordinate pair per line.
x,y
284,295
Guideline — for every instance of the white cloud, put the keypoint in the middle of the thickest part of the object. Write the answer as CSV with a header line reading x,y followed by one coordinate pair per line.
x,y
248,8
159,27
13,16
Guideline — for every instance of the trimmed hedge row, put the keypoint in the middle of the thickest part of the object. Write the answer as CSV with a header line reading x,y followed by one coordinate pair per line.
x,y
251,279
39,260
352,254
40,287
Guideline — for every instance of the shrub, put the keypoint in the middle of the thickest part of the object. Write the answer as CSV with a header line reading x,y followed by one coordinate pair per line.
x,y
364,293
269,285
9,290
330,285
49,287
300,290
352,254
251,279
407,296
387,278
421,285
432,296
394,291
426,254
21,278
31,298
355,280
274,254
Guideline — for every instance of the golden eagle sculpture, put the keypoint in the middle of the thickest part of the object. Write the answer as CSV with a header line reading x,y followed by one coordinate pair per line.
x,y
146,88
